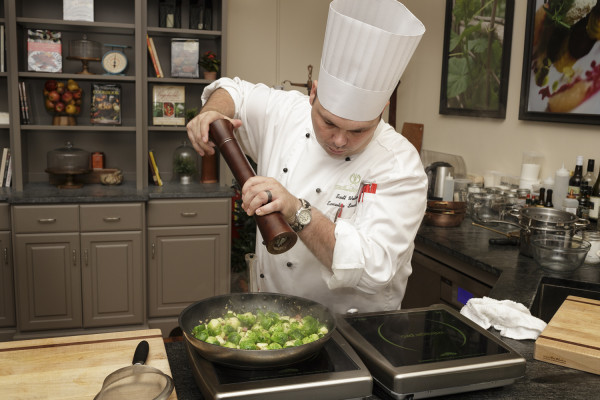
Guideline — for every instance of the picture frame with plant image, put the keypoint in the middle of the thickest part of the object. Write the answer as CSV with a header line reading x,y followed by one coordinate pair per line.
x,y
476,58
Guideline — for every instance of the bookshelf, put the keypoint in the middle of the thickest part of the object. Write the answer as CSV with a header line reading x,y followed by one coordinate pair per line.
x,y
115,22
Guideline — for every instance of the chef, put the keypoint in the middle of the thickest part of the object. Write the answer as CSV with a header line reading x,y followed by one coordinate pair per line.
x,y
351,186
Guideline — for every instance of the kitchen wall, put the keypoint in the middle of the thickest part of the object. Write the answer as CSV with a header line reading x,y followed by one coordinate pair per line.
x,y
273,40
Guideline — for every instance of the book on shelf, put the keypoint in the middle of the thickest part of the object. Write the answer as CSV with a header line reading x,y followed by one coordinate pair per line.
x,y
154,167
44,50
106,104
78,10
154,57
185,54
3,164
8,179
2,45
168,105
24,104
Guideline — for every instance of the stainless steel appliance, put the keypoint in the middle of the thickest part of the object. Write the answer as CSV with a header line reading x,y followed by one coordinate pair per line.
x,y
436,175
427,352
335,372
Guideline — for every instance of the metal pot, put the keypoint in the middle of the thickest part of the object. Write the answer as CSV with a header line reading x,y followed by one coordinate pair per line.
x,y
218,306
542,220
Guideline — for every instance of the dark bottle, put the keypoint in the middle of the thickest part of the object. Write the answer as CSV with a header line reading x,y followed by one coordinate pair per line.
x,y
583,210
548,202
595,200
575,181
541,201
589,178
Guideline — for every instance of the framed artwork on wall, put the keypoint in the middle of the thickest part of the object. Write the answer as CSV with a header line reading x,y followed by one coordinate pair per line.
x,y
476,61
561,62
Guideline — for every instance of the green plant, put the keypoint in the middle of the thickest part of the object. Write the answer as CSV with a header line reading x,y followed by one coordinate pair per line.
x,y
190,113
210,62
185,166
475,54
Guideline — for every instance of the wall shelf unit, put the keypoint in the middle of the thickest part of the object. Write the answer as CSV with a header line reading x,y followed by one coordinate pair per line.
x,y
126,146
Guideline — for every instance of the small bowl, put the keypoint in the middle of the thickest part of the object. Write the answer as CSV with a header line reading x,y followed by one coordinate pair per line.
x,y
558,253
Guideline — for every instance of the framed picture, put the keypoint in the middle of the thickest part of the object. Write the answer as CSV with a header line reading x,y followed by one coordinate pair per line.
x,y
476,62
561,64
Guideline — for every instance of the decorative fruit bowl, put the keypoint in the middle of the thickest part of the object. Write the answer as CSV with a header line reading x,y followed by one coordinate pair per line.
x,y
63,100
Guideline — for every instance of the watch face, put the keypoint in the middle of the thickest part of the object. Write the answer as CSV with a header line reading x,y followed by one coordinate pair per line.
x,y
304,217
114,62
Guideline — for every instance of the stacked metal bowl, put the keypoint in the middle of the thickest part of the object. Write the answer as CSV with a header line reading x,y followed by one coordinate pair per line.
x,y
445,213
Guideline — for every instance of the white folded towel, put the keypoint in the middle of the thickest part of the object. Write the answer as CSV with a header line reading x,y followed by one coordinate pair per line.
x,y
512,319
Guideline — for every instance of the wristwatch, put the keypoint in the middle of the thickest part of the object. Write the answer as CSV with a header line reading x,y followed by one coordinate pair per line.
x,y
303,216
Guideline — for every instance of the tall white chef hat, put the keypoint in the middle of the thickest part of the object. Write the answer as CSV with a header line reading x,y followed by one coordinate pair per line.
x,y
367,47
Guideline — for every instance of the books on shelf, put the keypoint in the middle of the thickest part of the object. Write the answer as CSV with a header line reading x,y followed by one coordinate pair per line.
x,y
105,108
8,179
185,55
168,105
154,169
2,46
24,104
44,50
4,165
78,10
154,57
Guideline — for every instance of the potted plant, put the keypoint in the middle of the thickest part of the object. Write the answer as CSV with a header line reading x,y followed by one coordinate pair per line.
x,y
211,64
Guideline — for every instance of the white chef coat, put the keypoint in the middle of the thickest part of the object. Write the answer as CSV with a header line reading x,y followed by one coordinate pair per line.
x,y
375,231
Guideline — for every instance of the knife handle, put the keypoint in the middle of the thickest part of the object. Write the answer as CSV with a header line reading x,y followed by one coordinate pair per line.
x,y
277,233
141,353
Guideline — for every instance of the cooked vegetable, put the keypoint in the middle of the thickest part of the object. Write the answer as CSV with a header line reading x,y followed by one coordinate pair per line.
x,y
260,331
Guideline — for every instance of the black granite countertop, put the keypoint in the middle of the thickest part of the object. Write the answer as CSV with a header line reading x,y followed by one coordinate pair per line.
x,y
518,280
43,193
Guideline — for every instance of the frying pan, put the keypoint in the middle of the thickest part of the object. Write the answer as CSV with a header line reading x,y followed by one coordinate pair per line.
x,y
215,307
137,381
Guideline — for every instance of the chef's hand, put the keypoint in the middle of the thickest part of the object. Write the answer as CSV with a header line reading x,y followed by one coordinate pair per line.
x,y
197,130
255,198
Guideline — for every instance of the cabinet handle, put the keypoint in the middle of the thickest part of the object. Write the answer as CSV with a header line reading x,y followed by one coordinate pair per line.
x,y
189,214
111,219
74,258
47,220
153,250
85,257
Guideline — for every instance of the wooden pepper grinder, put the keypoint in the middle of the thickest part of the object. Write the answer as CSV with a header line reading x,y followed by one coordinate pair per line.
x,y
277,234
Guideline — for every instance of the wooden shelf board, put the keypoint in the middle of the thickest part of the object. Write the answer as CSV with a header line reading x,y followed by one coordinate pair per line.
x,y
62,25
88,128
92,77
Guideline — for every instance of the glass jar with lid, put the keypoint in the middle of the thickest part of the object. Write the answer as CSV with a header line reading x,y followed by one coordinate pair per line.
x,y
185,163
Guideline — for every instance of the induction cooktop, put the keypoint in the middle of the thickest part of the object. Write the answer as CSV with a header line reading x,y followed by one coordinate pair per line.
x,y
427,352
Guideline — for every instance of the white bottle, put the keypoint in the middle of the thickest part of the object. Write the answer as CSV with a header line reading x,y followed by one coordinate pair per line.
x,y
561,185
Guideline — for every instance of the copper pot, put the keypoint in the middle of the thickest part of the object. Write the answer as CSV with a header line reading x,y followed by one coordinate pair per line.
x,y
444,218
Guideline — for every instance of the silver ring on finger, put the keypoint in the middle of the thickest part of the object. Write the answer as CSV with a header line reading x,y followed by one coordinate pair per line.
x,y
269,196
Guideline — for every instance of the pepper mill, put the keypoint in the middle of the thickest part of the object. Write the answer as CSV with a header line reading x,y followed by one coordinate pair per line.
x,y
277,234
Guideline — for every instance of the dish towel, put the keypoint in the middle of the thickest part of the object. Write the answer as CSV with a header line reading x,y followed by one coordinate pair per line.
x,y
512,319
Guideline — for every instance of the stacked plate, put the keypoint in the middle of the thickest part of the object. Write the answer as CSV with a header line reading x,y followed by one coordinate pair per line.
x,y
445,213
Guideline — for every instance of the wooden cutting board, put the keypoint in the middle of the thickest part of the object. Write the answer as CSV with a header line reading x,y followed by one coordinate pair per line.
x,y
72,367
572,337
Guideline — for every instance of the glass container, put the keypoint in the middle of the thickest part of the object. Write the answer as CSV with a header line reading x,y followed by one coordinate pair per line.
x,y
68,159
185,163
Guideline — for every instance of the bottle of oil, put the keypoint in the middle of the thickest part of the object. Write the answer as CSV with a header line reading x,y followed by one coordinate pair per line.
x,y
575,181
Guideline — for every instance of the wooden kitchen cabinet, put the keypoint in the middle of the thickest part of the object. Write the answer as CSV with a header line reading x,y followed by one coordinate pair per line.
x,y
79,267
188,255
7,293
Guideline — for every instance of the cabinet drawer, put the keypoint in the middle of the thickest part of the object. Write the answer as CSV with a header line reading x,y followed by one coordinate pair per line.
x,y
4,217
111,217
40,219
189,212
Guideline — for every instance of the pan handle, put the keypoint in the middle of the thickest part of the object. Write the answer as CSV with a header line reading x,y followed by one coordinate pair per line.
x,y
141,353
